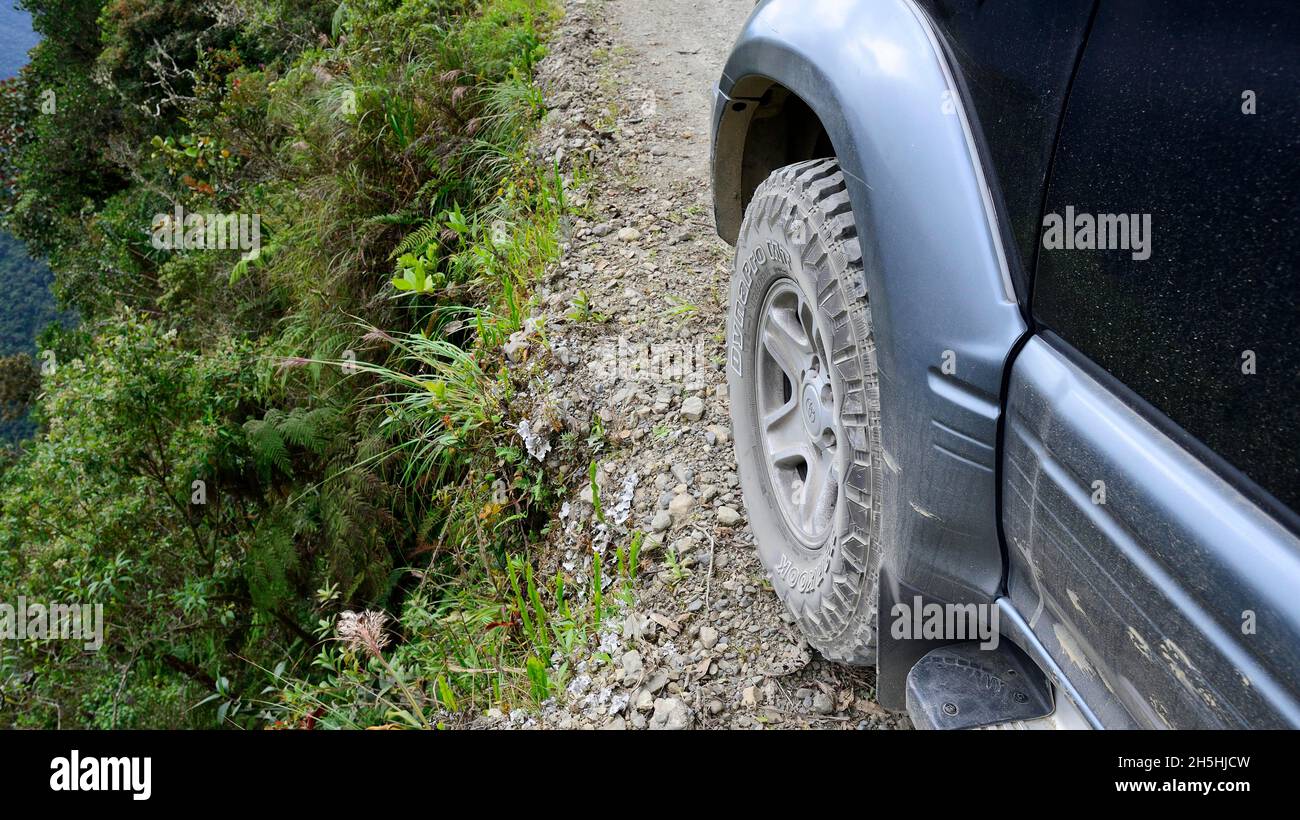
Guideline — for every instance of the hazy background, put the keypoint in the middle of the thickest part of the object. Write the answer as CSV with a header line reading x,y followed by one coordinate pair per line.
x,y
26,304
16,37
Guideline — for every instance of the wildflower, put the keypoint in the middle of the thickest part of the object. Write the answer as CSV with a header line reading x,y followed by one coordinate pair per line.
x,y
364,631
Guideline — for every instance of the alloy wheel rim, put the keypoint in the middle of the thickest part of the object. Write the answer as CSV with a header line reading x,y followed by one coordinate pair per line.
x,y
798,424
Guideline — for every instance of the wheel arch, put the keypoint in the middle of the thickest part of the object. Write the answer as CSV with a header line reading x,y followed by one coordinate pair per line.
x,y
872,81
763,126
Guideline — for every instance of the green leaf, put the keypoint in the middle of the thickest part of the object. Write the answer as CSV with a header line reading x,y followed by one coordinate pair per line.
x,y
540,686
445,694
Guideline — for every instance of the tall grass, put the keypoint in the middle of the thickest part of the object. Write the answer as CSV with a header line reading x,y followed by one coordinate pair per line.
x,y
430,187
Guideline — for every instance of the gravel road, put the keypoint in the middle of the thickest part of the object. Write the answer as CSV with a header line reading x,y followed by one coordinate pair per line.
x,y
704,643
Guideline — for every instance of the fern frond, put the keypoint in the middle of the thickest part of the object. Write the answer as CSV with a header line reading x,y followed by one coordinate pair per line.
x,y
268,445
418,239
392,219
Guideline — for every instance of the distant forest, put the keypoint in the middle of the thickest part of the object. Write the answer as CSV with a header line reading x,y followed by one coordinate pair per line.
x,y
26,303
26,307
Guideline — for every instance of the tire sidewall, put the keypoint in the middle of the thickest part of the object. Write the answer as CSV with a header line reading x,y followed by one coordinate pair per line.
x,y
765,256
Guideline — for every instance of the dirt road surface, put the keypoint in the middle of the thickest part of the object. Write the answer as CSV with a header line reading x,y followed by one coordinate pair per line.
x,y
704,642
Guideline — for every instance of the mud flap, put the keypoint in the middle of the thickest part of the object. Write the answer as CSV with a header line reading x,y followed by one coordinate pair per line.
x,y
961,686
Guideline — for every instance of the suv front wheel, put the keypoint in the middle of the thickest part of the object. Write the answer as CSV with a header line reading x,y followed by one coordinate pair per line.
x,y
805,405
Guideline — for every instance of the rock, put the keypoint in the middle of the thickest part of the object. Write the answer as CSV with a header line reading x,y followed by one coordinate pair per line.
x,y
720,433
628,234
657,681
708,637
644,700
636,625
683,474
652,543
617,724
749,697
715,707
822,704
671,714
632,664
603,229
685,546
728,517
680,507
662,521
693,408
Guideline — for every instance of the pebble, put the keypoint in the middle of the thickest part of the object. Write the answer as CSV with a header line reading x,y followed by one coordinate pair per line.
x,y
662,521
728,517
671,714
693,408
658,681
644,700
680,507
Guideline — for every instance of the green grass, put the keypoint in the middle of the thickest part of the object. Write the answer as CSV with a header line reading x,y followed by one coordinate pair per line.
x,y
480,628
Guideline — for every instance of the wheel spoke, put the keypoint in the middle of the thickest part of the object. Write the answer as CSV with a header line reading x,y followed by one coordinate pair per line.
x,y
787,344
795,454
784,430
806,325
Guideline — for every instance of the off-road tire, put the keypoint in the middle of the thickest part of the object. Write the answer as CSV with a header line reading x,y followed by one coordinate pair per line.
x,y
799,226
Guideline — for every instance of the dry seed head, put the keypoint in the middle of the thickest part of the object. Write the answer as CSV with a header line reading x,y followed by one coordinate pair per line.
x,y
364,631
